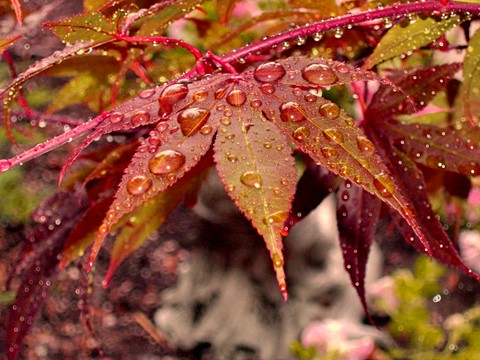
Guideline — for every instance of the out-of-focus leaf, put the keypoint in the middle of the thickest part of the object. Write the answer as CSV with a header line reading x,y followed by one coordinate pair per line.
x,y
470,91
225,9
418,88
6,42
55,219
401,39
18,10
327,7
358,213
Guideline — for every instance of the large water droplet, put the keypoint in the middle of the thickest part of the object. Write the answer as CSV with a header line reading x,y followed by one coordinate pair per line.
x,y
171,95
267,88
329,110
291,112
206,129
365,145
200,96
251,179
269,72
301,133
255,103
319,74
140,118
115,117
384,185
333,135
192,119
139,185
5,165
166,161
236,97
329,152
145,94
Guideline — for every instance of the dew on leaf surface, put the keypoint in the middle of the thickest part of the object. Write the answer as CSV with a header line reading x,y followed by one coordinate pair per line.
x,y
251,179
269,72
277,217
277,260
166,161
267,89
334,135
365,145
140,118
256,103
139,185
115,117
170,96
206,129
330,111
192,119
200,96
145,94
291,112
329,152
384,185
319,74
236,97
301,133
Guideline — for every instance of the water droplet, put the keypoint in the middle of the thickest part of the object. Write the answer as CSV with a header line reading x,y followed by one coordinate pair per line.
x,y
115,117
330,110
255,103
267,88
5,165
192,119
232,158
384,185
319,74
220,93
329,152
145,94
166,161
225,121
103,229
252,179
283,290
267,145
140,118
228,112
291,112
365,145
206,129
343,171
310,98
170,96
139,185
200,96
333,135
436,161
236,97
343,68
301,133
269,72
277,217
473,169
277,260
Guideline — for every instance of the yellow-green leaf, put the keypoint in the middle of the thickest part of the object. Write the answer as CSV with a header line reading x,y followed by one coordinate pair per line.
x,y
401,39
471,80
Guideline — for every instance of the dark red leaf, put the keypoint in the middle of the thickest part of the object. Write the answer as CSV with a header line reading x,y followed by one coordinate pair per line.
x,y
358,213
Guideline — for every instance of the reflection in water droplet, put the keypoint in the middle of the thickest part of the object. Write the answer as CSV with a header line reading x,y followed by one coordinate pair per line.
x,y
255,103
329,152
115,117
269,72
192,119
139,185
365,145
343,68
333,135
291,112
384,185
200,96
140,118
251,179
206,129
220,93
236,97
277,260
145,94
329,110
319,74
171,95
166,161
277,217
267,88
301,133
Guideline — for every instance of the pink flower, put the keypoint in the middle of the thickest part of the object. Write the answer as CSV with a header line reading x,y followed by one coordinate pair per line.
x,y
340,337
382,292
469,244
